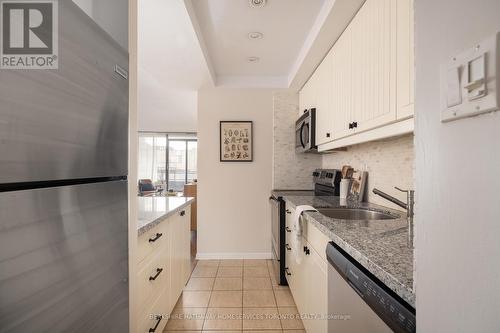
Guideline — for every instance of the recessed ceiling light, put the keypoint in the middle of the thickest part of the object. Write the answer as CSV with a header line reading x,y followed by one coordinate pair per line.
x,y
255,35
257,3
253,59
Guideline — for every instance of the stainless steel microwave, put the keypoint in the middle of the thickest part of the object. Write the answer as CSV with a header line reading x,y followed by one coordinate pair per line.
x,y
305,132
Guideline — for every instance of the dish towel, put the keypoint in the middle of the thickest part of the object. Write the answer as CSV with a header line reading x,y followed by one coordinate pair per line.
x,y
297,226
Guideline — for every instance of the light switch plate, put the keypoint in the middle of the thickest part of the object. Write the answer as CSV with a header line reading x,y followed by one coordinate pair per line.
x,y
470,81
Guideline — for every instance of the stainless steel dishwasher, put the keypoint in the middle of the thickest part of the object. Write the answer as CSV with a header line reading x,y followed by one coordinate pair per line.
x,y
359,302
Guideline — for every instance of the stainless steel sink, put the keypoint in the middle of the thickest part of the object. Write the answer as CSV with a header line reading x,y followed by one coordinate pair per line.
x,y
359,214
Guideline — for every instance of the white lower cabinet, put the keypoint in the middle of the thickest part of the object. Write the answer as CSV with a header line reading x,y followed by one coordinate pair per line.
x,y
164,267
317,292
308,275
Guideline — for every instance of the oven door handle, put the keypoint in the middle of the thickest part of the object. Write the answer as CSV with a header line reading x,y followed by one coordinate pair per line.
x,y
301,130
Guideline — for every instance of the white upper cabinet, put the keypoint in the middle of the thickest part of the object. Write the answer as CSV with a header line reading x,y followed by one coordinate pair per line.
x,y
374,65
307,97
364,88
341,96
405,59
324,86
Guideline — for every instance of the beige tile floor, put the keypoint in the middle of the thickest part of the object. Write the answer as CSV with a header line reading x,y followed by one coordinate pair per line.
x,y
234,296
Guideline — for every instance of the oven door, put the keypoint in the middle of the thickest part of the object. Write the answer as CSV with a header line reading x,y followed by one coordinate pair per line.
x,y
277,262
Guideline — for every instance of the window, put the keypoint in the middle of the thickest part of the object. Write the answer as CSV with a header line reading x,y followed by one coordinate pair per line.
x,y
168,168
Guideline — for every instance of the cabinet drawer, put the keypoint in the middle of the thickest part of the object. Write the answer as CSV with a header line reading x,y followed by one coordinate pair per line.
x,y
148,319
151,241
153,278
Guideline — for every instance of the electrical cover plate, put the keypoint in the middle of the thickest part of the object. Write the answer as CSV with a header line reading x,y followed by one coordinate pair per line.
x,y
470,81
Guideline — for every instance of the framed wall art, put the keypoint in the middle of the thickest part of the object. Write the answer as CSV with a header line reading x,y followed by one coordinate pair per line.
x,y
236,141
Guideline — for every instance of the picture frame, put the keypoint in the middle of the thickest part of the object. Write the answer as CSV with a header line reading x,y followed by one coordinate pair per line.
x,y
236,141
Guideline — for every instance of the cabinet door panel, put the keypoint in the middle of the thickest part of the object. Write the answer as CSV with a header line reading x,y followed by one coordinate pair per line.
x,y
317,292
301,277
324,114
405,59
307,97
374,64
341,94
186,247
175,259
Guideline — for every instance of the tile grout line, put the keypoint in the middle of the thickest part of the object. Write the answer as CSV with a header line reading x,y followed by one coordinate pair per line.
x,y
209,298
275,299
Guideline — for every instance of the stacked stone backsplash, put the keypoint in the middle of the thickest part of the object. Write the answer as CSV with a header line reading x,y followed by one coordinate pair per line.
x,y
389,163
290,170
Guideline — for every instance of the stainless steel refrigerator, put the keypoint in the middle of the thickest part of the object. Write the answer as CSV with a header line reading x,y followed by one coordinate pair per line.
x,y
63,187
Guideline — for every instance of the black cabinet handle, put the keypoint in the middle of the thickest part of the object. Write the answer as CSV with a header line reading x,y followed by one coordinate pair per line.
x,y
183,213
288,211
355,124
153,329
288,247
306,250
155,238
327,135
350,126
158,272
287,271
288,229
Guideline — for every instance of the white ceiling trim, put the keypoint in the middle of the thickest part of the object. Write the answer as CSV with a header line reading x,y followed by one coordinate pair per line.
x,y
252,81
331,21
201,40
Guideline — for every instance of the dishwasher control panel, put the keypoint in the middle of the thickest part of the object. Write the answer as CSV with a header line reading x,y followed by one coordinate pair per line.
x,y
398,315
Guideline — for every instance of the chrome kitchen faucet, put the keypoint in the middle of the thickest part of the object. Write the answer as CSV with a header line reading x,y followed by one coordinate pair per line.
x,y
408,206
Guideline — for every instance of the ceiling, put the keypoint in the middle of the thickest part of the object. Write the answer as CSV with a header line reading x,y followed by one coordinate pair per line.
x,y
225,25
168,46
171,67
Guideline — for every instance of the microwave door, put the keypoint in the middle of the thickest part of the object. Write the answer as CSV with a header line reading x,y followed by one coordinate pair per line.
x,y
301,135
306,143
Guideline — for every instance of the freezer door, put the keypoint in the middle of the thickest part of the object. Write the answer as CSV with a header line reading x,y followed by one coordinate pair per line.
x,y
71,122
64,259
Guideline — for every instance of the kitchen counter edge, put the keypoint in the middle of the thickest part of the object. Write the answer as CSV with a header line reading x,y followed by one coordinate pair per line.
x,y
145,227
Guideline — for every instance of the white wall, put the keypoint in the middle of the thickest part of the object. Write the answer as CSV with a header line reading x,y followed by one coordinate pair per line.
x,y
233,209
163,109
457,165
111,15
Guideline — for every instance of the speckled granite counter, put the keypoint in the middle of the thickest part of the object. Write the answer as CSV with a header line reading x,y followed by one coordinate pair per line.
x,y
380,246
283,193
153,210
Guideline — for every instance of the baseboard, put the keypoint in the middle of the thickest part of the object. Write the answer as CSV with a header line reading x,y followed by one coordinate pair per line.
x,y
225,255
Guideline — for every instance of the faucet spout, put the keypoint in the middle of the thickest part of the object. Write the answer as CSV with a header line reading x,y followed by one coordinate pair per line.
x,y
409,206
391,198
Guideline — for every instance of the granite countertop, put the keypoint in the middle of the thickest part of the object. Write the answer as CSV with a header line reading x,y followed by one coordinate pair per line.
x,y
283,193
153,210
379,246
